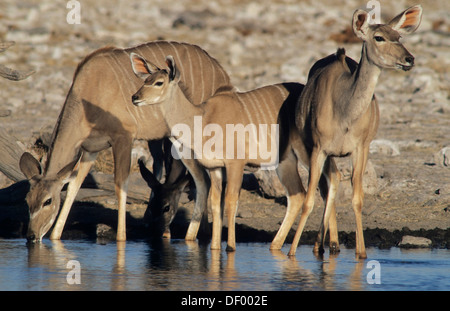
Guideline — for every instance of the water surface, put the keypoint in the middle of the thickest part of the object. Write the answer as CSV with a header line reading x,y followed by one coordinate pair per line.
x,y
178,265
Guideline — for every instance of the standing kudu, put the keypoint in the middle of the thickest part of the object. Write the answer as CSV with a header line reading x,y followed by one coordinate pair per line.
x,y
338,115
98,114
269,106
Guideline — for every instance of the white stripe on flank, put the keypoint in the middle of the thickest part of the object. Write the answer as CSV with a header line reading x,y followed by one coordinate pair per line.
x,y
161,50
193,90
125,74
114,64
203,79
213,80
269,110
282,90
252,102
178,62
247,113
151,51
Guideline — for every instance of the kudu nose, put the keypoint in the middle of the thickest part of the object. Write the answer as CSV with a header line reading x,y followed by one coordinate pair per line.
x,y
410,59
31,238
134,98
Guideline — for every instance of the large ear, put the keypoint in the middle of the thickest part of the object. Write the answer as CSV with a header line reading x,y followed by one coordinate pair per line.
x,y
361,24
141,67
148,176
407,21
69,172
174,73
29,166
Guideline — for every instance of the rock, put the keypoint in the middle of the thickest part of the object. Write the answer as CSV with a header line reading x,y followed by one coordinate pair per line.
x,y
370,179
385,147
5,112
424,80
270,184
245,214
195,20
409,241
105,232
442,157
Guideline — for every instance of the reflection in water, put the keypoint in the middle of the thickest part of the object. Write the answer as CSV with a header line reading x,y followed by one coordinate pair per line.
x,y
293,276
43,258
180,265
119,269
322,276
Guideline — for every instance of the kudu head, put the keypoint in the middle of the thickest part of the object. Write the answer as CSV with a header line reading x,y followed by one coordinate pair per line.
x,y
381,41
163,203
44,196
158,83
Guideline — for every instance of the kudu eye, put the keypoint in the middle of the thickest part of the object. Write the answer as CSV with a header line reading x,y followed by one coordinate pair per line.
x,y
379,39
47,202
166,209
159,83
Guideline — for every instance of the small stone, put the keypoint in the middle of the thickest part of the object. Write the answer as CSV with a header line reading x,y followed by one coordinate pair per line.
x,y
105,232
5,112
409,241
384,146
245,214
270,184
442,158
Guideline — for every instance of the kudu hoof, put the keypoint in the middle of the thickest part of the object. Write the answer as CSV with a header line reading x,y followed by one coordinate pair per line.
x,y
334,248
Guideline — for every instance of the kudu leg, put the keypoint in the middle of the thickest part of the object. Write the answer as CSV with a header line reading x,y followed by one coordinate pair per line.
x,y
289,177
216,207
72,189
202,185
359,165
328,186
233,188
122,166
156,150
315,170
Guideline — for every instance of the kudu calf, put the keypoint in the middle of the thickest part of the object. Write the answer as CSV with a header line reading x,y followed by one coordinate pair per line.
x,y
163,204
263,115
338,115
98,114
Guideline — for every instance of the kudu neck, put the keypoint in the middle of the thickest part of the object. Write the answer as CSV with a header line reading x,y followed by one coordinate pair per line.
x,y
180,108
67,137
362,86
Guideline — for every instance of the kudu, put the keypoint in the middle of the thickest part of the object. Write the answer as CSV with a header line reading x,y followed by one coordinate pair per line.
x,y
98,114
338,115
163,206
229,109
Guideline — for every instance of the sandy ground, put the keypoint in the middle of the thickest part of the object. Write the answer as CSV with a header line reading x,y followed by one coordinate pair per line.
x,y
258,43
